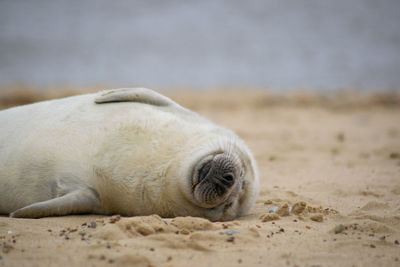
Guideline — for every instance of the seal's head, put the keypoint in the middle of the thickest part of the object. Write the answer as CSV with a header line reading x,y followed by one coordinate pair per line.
x,y
222,181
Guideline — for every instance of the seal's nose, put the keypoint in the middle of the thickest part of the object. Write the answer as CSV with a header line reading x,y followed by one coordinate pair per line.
x,y
219,171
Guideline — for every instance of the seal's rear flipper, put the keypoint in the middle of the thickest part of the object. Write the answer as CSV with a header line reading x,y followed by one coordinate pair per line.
x,y
141,95
76,202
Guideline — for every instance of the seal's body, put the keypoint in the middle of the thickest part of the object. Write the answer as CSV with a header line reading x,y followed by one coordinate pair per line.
x,y
123,151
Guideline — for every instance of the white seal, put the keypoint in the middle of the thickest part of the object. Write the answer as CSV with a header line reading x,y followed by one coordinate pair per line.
x,y
123,151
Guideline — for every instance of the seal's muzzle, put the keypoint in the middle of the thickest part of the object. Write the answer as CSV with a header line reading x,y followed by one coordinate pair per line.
x,y
215,179
218,171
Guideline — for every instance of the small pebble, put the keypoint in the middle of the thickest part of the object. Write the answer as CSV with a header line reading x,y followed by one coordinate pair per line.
x,y
230,232
339,228
273,209
372,246
397,242
308,227
93,224
317,218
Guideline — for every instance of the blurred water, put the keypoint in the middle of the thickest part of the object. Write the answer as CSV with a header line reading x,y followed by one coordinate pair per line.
x,y
316,44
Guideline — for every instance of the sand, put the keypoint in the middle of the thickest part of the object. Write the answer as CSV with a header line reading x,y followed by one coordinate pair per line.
x,y
330,195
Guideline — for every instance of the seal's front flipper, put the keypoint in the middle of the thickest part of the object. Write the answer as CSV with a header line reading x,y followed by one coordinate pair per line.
x,y
141,95
76,202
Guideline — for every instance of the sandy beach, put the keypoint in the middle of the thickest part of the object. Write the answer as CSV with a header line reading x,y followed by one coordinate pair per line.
x,y
330,193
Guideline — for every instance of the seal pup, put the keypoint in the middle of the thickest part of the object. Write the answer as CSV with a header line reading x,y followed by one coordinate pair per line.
x,y
127,151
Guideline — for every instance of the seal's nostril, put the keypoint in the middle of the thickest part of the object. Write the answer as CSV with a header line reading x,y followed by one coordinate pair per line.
x,y
228,179
205,171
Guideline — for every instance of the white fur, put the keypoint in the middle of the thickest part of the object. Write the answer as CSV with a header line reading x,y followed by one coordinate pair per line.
x,y
131,158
